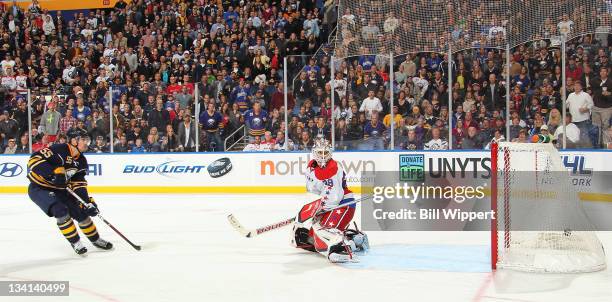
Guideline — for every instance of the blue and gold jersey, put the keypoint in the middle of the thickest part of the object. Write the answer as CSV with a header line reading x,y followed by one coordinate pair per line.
x,y
45,163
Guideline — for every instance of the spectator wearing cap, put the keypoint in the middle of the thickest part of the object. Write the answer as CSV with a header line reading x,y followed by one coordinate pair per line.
x,y
544,131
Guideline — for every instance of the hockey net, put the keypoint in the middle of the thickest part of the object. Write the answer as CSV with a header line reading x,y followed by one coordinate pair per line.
x,y
540,225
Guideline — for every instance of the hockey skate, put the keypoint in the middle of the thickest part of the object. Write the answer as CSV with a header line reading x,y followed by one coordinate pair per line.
x,y
102,244
79,248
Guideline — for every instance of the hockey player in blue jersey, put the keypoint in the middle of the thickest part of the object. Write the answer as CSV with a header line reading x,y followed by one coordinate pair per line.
x,y
53,169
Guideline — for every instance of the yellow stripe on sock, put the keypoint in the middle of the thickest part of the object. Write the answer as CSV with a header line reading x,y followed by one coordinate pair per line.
x,y
90,229
70,229
92,234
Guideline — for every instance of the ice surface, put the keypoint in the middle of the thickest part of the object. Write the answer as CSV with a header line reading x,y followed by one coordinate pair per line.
x,y
190,253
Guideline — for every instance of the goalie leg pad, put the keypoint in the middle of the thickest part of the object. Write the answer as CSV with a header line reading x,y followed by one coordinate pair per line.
x,y
332,244
326,238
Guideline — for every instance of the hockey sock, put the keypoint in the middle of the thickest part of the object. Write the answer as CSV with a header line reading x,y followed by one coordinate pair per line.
x,y
89,229
68,229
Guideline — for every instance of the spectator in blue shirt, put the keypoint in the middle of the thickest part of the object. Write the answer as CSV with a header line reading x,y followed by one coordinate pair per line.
x,y
373,132
210,121
138,147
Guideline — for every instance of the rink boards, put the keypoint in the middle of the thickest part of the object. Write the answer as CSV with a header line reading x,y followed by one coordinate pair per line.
x,y
274,172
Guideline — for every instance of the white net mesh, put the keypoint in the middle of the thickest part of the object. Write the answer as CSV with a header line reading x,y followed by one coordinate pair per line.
x,y
541,225
402,26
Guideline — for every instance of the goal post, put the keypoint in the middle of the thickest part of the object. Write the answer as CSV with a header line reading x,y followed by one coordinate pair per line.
x,y
539,223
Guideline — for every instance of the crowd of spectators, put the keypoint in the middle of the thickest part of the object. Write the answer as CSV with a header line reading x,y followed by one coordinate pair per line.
x,y
479,87
151,57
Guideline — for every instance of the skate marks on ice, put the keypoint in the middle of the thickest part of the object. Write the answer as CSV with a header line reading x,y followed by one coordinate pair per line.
x,y
425,257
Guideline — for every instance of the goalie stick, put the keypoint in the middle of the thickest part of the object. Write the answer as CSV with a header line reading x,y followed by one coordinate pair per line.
x,y
136,247
250,233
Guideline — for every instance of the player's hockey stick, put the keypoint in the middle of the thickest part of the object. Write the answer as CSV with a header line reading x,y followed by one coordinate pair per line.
x,y
250,233
87,205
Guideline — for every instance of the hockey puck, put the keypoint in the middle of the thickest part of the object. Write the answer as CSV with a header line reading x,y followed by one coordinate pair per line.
x,y
219,167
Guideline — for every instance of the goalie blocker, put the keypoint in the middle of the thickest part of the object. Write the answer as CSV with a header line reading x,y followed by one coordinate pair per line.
x,y
318,229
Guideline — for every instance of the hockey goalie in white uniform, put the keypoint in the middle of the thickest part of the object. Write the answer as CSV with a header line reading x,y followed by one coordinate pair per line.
x,y
322,226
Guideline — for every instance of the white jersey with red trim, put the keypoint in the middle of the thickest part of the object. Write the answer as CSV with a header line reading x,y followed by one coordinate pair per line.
x,y
329,182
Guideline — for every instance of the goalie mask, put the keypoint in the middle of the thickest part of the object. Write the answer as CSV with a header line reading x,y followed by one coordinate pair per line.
x,y
321,152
